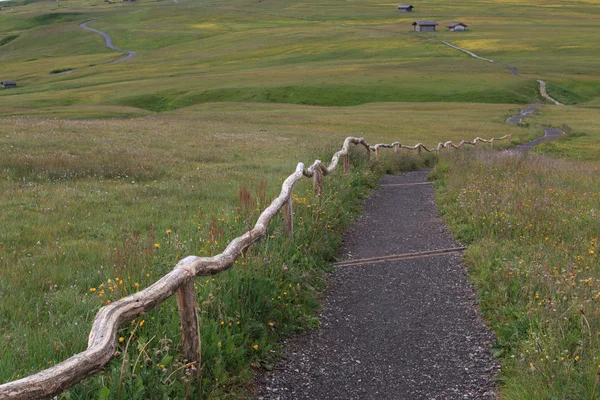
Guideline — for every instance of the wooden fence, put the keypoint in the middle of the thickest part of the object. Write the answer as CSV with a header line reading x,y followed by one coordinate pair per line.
x,y
102,341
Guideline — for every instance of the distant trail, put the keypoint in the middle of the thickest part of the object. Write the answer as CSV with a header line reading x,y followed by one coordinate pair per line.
x,y
109,43
517,119
545,94
550,134
513,70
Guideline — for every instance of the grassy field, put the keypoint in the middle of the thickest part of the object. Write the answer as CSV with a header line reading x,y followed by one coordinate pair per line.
x,y
310,53
532,224
86,201
113,171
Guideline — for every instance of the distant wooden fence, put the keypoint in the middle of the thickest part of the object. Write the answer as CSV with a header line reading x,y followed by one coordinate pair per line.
x,y
102,342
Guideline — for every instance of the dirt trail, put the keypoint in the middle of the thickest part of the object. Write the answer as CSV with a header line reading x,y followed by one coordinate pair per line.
x,y
545,94
512,70
517,119
109,43
403,329
550,134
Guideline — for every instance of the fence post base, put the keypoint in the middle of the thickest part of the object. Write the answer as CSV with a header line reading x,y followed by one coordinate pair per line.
x,y
346,163
318,181
188,318
288,219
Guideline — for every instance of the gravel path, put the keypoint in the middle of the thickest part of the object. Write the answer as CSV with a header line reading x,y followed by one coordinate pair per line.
x,y
405,329
512,70
517,119
109,43
549,135
545,94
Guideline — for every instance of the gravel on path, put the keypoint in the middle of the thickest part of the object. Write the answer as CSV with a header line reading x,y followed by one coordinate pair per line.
x,y
549,135
517,119
405,329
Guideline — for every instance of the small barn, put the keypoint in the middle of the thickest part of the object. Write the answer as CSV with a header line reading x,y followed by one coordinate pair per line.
x,y
457,27
405,8
8,84
424,26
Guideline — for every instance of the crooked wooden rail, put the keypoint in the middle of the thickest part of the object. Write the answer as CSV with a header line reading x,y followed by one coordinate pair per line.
x,y
102,342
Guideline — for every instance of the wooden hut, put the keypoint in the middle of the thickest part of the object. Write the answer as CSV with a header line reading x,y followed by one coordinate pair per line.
x,y
405,8
8,84
457,27
424,26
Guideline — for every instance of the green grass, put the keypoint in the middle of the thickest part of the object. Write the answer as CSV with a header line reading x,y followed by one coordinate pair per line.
x,y
8,39
532,226
222,99
191,53
86,200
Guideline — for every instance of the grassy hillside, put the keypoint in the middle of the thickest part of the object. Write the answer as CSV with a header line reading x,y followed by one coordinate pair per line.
x,y
321,53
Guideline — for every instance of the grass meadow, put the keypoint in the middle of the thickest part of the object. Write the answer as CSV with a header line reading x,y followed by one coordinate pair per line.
x,y
95,209
532,226
111,172
311,53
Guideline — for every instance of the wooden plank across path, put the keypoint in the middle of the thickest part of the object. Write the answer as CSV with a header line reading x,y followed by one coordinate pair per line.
x,y
396,257
399,329
404,184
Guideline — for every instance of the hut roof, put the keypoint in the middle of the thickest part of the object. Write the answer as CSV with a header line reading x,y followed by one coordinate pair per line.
x,y
455,24
11,83
425,23
405,6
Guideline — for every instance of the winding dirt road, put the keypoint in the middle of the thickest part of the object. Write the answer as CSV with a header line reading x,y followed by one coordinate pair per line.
x,y
109,43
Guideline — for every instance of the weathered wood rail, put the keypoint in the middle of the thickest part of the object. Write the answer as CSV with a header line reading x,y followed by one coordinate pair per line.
x,y
102,341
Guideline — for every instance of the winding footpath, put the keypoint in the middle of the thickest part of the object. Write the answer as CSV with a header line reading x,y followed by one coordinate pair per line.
x,y
550,134
513,70
109,43
517,119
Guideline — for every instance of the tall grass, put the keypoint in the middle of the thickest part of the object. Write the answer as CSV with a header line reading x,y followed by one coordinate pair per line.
x,y
94,210
533,226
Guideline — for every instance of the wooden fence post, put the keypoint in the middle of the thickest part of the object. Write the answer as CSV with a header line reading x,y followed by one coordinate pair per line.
x,y
346,163
509,137
397,149
419,150
377,153
288,219
188,318
318,181
492,143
